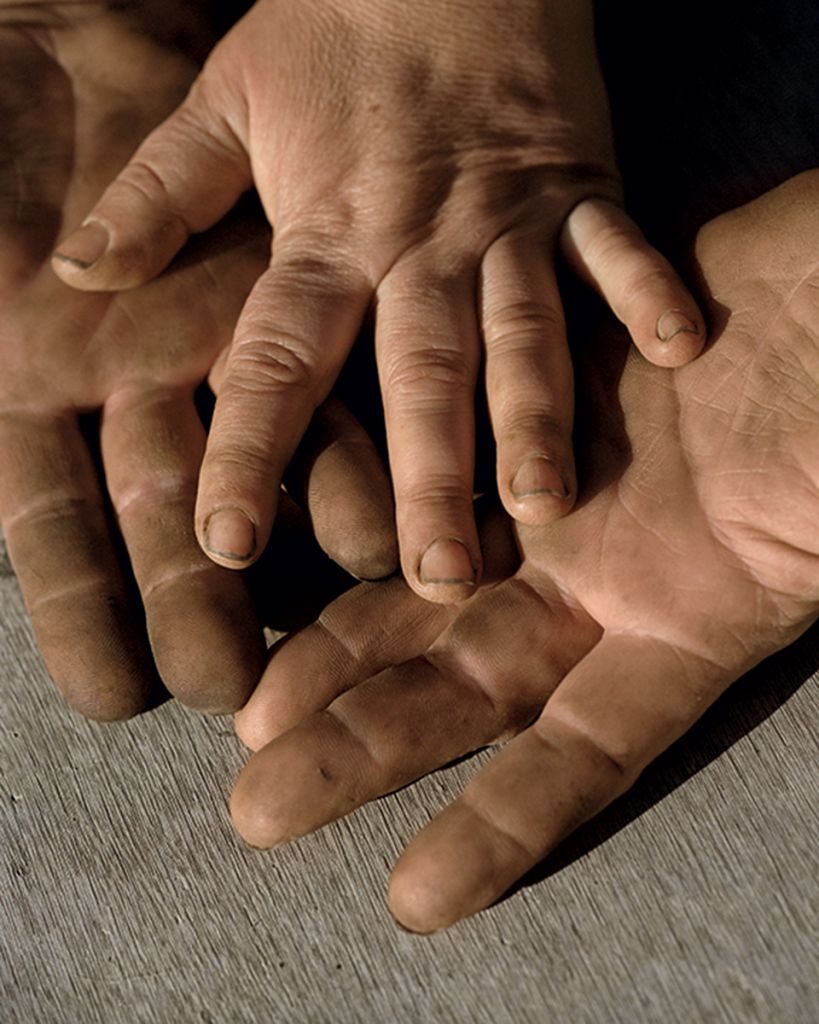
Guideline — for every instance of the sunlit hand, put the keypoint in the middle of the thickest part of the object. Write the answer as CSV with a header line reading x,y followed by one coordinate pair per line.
x,y
693,553
424,160
79,88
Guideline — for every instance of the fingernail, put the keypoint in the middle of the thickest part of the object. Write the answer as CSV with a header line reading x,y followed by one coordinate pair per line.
x,y
447,560
674,322
230,534
85,246
538,475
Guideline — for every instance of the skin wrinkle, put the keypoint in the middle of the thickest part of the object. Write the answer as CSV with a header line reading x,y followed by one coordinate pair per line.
x,y
99,583
386,635
342,723
699,482
622,765
449,666
54,504
495,828
355,654
172,576
138,393
167,486
734,561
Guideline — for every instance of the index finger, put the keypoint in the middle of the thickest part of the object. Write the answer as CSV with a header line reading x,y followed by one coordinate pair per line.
x,y
297,327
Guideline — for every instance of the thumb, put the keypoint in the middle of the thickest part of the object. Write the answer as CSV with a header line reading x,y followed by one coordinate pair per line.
x,y
184,177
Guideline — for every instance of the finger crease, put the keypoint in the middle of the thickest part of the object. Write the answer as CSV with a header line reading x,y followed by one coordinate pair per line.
x,y
485,817
45,507
171,486
77,587
174,576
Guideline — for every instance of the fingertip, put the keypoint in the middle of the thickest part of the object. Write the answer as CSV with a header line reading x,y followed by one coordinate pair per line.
x,y
80,250
679,336
249,811
608,250
119,251
378,563
413,907
447,572
428,891
229,537
250,727
102,707
540,490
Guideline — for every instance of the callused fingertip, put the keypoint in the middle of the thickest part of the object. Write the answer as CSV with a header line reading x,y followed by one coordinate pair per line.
x,y
83,247
674,322
447,562
229,537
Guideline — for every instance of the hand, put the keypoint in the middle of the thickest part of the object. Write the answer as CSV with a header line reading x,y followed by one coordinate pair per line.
x,y
423,159
76,98
693,554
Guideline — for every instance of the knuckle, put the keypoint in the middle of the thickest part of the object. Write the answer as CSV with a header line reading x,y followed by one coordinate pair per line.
x,y
142,179
533,425
318,262
246,458
436,492
609,243
429,374
620,757
643,281
263,364
521,325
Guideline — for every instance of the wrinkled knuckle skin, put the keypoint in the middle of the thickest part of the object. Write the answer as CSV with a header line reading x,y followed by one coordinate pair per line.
x,y
520,326
247,458
264,365
432,374
643,284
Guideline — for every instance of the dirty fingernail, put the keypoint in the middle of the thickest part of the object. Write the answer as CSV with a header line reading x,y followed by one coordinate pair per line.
x,y
447,560
230,534
85,246
674,322
538,475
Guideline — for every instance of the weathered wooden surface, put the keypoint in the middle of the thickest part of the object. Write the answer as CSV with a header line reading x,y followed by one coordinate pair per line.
x,y
126,896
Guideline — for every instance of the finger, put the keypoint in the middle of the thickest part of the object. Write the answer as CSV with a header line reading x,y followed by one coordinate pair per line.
x,y
427,351
605,722
338,477
529,381
361,633
364,631
207,642
607,249
412,718
292,338
184,177
58,539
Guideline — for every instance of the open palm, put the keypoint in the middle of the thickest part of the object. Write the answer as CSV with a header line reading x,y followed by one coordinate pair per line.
x,y
79,92
693,553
